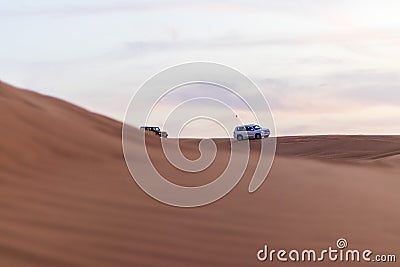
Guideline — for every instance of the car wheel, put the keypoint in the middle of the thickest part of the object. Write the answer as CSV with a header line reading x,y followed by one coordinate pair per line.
x,y
239,138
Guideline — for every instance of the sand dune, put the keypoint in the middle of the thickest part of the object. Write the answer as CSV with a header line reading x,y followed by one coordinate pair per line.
x,y
67,198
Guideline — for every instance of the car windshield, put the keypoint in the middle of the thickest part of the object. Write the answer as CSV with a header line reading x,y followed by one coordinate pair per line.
x,y
156,129
256,127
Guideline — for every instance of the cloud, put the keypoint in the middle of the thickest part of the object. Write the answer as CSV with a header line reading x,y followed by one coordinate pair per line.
x,y
360,41
371,87
230,42
74,8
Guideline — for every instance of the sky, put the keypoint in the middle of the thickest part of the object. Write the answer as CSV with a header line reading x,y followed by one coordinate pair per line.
x,y
325,67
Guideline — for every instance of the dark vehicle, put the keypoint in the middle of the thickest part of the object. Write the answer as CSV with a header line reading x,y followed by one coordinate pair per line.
x,y
154,130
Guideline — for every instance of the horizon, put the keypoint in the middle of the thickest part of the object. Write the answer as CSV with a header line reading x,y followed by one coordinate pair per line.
x,y
201,137
325,68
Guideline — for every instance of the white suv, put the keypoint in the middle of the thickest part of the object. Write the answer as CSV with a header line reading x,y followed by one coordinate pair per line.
x,y
250,131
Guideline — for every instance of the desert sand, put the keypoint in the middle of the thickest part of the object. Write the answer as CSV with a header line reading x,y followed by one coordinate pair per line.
x,y
67,198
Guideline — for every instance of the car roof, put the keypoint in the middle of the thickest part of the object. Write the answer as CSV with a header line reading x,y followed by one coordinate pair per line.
x,y
247,125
